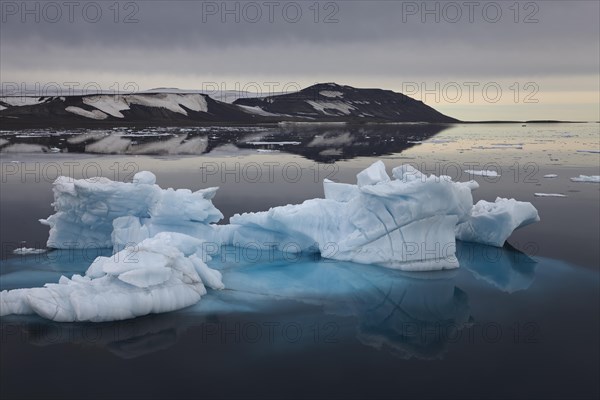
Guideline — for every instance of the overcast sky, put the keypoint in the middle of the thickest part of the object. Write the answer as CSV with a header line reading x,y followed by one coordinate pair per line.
x,y
543,56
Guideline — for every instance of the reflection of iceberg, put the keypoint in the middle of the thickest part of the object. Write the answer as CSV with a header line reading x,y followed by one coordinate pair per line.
x,y
506,268
416,319
126,339
412,315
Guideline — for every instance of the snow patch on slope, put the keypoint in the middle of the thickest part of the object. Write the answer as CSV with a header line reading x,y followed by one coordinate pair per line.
x,y
19,101
340,106
170,101
112,105
96,114
257,110
331,93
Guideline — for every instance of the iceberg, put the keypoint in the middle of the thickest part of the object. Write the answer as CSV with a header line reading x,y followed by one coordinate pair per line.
x,y
492,223
404,223
160,274
96,212
161,238
408,221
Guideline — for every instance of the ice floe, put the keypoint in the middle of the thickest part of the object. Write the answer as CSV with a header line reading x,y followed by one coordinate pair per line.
x,y
160,274
259,143
588,151
488,173
28,250
549,195
492,223
587,178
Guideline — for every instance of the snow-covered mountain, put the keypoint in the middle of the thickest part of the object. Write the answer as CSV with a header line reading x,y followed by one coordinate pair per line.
x,y
333,102
321,102
172,109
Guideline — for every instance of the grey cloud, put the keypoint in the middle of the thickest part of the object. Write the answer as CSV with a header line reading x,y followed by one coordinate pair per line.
x,y
370,38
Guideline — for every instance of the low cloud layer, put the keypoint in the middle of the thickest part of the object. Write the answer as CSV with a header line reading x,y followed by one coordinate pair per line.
x,y
191,44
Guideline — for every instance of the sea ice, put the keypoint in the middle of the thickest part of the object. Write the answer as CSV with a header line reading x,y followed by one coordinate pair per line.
x,y
492,223
294,143
406,223
380,220
586,178
549,195
159,237
86,208
485,172
28,250
160,274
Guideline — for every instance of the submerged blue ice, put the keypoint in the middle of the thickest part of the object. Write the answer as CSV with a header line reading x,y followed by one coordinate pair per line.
x,y
392,310
163,241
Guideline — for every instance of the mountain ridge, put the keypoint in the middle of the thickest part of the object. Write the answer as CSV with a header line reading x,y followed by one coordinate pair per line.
x,y
323,102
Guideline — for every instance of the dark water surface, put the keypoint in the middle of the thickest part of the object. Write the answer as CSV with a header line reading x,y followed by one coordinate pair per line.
x,y
517,322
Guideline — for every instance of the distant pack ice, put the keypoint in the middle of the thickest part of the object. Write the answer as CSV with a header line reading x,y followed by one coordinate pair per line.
x,y
409,221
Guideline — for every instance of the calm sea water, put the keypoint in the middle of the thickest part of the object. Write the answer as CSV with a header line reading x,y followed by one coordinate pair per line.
x,y
516,322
